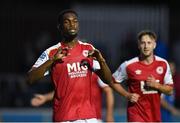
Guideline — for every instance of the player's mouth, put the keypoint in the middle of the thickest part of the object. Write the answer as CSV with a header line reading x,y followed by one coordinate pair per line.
x,y
72,30
146,51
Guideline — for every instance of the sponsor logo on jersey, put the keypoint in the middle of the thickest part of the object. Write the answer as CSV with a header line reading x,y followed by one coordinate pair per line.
x,y
138,72
159,70
75,70
85,53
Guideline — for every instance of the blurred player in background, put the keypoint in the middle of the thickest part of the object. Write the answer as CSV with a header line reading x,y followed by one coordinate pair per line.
x,y
72,81
147,76
97,88
168,110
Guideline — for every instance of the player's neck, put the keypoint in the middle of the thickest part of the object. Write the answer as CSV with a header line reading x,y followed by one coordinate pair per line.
x,y
71,43
147,59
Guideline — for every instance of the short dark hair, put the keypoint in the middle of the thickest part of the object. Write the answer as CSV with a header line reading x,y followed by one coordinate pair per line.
x,y
147,32
62,13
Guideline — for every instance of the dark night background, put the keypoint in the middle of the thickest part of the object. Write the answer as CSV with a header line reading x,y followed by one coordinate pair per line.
x,y
28,27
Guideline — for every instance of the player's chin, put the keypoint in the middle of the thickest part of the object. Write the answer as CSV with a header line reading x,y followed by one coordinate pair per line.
x,y
71,35
147,54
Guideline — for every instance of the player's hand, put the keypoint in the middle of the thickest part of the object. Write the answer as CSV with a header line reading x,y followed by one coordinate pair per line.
x,y
110,119
93,53
38,100
151,82
60,54
96,54
133,97
151,78
175,112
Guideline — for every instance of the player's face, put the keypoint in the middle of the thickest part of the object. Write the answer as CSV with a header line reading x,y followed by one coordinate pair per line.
x,y
147,45
70,25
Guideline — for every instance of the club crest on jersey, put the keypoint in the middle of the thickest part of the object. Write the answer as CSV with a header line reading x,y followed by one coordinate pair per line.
x,y
85,53
138,72
159,70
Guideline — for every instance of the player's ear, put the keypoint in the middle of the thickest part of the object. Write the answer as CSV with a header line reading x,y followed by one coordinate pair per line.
x,y
138,44
59,27
154,45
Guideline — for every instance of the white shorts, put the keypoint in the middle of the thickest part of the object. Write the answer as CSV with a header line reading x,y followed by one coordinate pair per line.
x,y
92,120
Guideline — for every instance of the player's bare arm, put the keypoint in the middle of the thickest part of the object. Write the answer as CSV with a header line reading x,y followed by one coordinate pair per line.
x,y
166,89
132,97
40,99
37,73
175,111
104,73
109,104
49,96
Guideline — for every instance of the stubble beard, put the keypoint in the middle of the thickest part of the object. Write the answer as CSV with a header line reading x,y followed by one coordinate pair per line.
x,y
70,37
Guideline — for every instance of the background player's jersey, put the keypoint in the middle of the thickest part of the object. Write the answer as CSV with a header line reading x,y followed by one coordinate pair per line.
x,y
72,82
135,72
166,115
97,85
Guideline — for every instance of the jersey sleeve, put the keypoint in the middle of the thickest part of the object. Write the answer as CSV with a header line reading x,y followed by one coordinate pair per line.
x,y
120,74
96,65
162,96
101,83
41,60
168,76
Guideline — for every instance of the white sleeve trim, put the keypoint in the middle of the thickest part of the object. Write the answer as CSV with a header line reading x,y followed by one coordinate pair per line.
x,y
101,83
96,65
41,60
120,74
168,75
